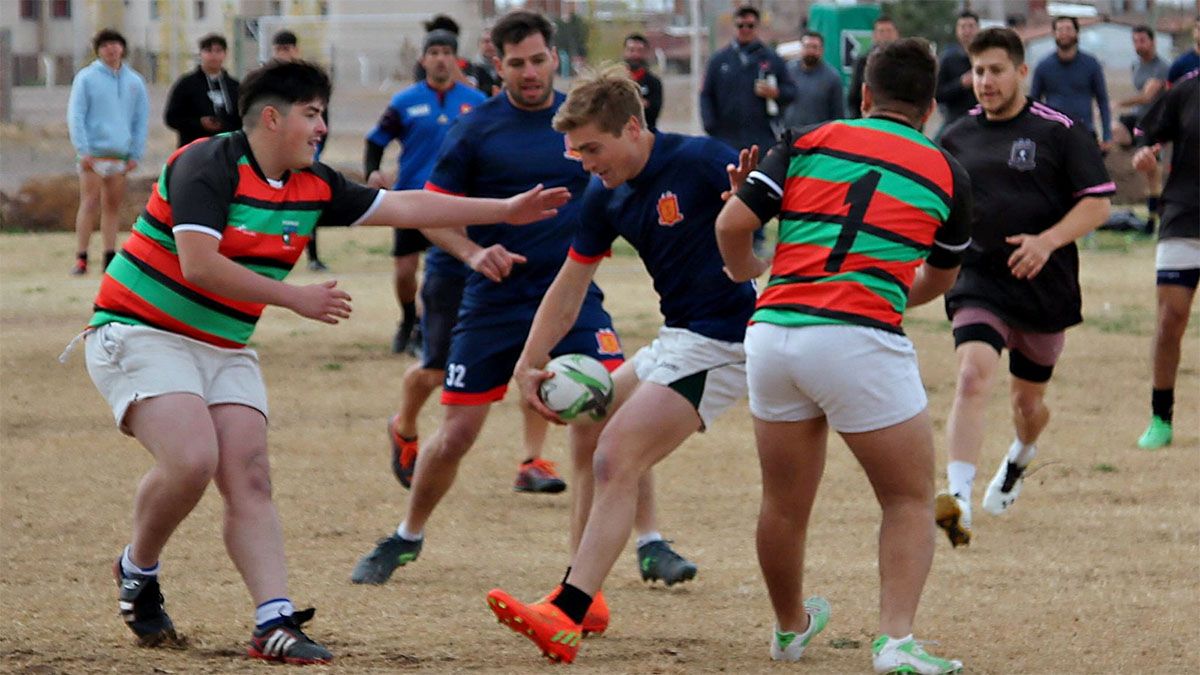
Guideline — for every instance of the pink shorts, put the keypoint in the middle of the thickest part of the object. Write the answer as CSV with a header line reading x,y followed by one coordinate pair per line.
x,y
1031,355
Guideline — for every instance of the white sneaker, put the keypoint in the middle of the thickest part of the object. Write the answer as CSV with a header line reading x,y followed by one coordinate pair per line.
x,y
908,656
1002,492
953,514
789,646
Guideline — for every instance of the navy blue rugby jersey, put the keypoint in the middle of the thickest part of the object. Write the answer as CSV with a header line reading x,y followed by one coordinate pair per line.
x,y
668,213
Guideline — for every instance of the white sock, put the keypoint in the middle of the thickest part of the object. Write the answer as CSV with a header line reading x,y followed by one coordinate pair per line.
x,y
272,611
902,640
404,533
961,478
129,569
644,539
1021,454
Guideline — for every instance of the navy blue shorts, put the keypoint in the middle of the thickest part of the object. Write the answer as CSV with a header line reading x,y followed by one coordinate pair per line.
x,y
441,294
406,241
482,357
1187,278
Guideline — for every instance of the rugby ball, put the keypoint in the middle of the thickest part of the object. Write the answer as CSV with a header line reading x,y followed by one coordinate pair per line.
x,y
581,388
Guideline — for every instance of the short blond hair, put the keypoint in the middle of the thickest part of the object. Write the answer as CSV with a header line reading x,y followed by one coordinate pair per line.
x,y
607,98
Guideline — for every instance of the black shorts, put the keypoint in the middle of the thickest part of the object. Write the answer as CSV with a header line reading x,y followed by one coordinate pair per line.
x,y
407,241
440,295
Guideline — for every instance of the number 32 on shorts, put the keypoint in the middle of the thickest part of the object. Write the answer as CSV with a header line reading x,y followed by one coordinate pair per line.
x,y
455,372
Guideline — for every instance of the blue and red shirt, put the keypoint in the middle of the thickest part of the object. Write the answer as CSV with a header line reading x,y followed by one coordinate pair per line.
x,y
668,213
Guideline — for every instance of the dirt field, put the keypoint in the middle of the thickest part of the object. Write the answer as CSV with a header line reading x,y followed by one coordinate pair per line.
x,y
1096,570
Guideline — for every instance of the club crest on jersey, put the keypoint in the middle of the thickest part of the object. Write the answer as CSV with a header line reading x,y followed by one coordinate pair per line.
x,y
290,227
569,153
1023,155
464,109
668,209
607,342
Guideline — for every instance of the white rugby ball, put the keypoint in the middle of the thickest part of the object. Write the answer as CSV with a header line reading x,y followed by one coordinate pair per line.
x,y
580,389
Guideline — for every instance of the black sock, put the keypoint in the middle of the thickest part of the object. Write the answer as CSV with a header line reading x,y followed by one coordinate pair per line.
x,y
529,461
1152,205
408,316
108,258
565,575
312,246
1162,403
81,256
573,602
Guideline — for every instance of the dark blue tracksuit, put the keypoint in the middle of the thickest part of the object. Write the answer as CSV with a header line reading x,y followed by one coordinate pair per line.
x,y
729,108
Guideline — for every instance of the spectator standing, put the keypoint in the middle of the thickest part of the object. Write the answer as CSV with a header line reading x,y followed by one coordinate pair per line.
x,y
819,94
1149,80
107,114
285,47
1069,79
955,95
1189,60
636,48
883,32
738,103
487,79
203,102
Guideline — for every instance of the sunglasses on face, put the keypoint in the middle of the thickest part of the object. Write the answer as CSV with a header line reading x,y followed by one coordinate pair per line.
x,y
746,25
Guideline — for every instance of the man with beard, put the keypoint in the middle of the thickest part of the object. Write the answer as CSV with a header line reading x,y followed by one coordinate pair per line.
x,y
883,32
1149,80
819,92
1039,184
954,93
636,47
1069,79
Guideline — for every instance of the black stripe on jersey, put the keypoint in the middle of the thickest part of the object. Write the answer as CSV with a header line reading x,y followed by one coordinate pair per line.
x,y
806,278
279,206
845,317
844,221
883,164
188,293
156,223
261,262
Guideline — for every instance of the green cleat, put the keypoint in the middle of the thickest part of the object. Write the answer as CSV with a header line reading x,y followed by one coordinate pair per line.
x,y
1157,435
789,646
908,656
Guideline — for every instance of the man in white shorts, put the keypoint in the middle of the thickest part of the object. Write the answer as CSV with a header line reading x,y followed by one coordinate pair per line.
x,y
1173,118
873,218
661,192
166,346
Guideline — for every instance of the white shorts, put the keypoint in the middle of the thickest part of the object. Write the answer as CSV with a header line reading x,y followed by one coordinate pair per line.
x,y
710,374
105,167
133,363
1177,254
861,379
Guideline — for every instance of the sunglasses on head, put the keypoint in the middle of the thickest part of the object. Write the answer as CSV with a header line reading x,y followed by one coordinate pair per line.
x,y
749,24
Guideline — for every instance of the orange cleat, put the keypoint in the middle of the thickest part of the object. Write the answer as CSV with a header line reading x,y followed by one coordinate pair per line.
x,y
544,624
539,475
404,454
595,622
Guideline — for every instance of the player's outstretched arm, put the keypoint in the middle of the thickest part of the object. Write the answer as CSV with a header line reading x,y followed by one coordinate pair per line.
x,y
735,237
1033,250
429,210
555,316
203,265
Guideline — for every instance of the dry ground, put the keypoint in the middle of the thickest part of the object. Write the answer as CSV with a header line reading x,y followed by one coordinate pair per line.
x,y
1096,570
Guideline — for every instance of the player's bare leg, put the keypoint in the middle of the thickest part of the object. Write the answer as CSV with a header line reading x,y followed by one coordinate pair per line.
x,y
437,464
416,386
1174,309
1030,414
112,196
404,280
87,216
977,366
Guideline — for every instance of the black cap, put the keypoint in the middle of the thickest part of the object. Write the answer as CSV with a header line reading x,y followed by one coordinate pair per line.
x,y
440,38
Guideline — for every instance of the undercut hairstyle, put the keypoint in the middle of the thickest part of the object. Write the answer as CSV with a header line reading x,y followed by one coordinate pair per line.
x,y
607,98
1059,19
812,34
211,39
902,77
284,38
636,37
1143,28
108,35
441,22
519,24
1002,38
968,14
748,9
280,84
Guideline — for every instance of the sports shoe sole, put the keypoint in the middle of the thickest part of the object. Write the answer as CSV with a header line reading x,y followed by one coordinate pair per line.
x,y
563,646
290,660
948,515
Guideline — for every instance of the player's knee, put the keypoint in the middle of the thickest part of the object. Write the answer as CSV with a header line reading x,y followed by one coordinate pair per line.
x,y
974,381
195,470
454,442
1028,404
1172,321
610,465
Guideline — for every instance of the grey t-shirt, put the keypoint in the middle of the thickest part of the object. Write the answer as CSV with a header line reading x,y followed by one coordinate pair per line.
x,y
1143,72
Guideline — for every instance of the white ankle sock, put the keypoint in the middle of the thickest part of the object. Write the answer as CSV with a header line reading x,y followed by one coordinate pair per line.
x,y
961,478
404,533
644,539
273,611
1021,454
129,568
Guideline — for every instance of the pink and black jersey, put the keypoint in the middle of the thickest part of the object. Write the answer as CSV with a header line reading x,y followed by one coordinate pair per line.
x,y
1026,173
215,186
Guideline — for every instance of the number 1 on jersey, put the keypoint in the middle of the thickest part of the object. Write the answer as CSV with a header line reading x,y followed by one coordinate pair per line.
x,y
859,198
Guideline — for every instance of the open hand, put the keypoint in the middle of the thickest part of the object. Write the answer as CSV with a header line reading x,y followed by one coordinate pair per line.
x,y
1031,255
747,162
1146,159
323,302
538,203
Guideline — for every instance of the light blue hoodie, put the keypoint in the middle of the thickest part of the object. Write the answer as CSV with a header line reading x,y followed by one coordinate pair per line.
x,y
108,112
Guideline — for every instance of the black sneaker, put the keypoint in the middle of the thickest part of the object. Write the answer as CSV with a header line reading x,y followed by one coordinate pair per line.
x,y
377,566
286,642
657,561
315,265
140,603
414,342
402,338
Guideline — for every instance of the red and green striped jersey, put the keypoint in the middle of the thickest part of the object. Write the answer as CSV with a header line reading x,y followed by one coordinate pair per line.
x,y
214,186
861,203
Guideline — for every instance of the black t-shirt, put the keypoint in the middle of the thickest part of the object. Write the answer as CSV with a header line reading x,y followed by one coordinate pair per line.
x,y
1175,118
1026,174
